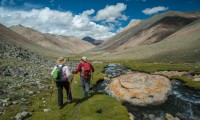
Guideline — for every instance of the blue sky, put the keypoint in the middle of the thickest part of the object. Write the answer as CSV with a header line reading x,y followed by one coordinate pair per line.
x,y
99,19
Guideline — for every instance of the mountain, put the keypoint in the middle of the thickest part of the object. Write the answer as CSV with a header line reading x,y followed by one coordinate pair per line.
x,y
156,37
67,44
98,42
131,24
14,38
92,40
89,39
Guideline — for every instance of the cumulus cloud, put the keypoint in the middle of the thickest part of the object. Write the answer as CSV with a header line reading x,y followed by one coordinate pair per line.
x,y
111,13
150,11
55,22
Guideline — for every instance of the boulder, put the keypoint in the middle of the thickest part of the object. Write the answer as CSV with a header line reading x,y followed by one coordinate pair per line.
x,y
141,89
21,116
170,117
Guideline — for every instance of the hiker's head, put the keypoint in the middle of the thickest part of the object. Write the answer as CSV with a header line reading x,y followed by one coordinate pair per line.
x,y
60,60
84,58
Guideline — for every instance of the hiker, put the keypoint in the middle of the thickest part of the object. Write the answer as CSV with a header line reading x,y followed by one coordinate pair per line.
x,y
62,80
85,69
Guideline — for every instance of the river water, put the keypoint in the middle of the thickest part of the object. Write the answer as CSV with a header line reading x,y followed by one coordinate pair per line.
x,y
184,103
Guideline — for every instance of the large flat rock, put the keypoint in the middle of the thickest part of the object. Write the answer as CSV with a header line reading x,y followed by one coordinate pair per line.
x,y
141,89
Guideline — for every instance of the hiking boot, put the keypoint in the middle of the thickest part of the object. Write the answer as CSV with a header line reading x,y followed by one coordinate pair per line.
x,y
59,107
69,100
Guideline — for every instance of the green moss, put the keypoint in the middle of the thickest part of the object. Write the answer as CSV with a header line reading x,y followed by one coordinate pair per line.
x,y
11,111
153,66
85,109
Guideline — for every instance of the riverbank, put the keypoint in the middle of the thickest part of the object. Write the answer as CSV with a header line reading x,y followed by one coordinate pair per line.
x,y
182,103
81,108
190,78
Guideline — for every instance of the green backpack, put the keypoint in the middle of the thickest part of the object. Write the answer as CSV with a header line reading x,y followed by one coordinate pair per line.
x,y
57,74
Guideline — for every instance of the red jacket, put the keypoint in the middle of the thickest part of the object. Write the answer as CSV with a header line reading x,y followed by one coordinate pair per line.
x,y
86,75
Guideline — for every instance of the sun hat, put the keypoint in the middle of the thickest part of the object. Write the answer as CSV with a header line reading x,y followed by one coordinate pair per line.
x,y
60,60
84,58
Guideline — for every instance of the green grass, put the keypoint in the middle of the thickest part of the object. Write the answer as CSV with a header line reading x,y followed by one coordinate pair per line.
x,y
79,109
152,67
84,109
155,66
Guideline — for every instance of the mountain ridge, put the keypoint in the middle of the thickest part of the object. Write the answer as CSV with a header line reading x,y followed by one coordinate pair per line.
x,y
152,38
67,44
143,25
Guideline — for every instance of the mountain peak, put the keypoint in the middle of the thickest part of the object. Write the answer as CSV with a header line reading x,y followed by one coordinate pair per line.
x,y
92,40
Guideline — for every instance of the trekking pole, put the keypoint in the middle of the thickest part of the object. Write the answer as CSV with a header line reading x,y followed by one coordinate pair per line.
x,y
52,89
91,80
70,85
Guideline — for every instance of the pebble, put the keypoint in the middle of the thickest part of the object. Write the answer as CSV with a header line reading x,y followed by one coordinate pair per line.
x,y
30,92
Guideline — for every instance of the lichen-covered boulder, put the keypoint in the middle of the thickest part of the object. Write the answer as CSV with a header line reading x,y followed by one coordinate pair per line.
x,y
141,89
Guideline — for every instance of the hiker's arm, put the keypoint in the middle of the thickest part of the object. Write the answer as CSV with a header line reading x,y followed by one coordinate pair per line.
x,y
78,69
68,74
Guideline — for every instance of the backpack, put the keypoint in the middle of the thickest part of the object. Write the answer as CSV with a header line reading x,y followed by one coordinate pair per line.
x,y
86,69
57,74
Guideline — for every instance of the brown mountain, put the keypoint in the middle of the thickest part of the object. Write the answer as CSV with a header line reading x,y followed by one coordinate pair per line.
x,y
162,35
14,38
57,42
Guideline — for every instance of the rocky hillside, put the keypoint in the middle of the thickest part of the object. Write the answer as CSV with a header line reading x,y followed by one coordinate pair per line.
x,y
160,35
12,37
22,74
68,44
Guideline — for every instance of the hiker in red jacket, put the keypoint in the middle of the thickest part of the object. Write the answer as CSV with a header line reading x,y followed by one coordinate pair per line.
x,y
85,69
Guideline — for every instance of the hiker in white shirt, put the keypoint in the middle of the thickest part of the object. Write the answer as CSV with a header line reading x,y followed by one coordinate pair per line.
x,y
63,81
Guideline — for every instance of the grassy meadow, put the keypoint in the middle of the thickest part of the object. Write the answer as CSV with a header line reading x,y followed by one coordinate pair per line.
x,y
88,109
79,109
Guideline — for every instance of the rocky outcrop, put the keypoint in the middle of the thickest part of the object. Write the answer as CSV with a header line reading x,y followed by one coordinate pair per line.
x,y
141,89
21,116
23,73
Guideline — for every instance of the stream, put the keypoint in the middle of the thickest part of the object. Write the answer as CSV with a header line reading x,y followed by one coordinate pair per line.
x,y
184,102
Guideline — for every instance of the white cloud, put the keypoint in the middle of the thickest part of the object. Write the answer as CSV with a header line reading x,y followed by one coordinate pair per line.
x,y
149,11
55,22
111,13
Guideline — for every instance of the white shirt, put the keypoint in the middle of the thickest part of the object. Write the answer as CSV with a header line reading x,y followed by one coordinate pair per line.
x,y
65,72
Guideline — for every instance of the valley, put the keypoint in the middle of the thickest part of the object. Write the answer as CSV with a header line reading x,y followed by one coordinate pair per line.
x,y
166,45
